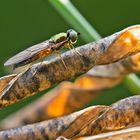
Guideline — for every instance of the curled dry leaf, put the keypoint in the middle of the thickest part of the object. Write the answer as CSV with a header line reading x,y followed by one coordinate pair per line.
x,y
118,69
121,114
59,101
90,121
51,129
107,50
87,86
125,134
4,81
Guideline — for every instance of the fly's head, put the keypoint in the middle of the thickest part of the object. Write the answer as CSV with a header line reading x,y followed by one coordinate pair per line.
x,y
72,36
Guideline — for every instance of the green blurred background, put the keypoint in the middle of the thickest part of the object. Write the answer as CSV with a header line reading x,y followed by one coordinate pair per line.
x,y
24,23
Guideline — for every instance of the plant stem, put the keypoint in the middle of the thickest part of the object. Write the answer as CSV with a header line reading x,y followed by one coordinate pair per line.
x,y
133,83
76,20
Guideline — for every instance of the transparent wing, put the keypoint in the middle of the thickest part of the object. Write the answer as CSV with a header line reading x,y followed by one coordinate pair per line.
x,y
29,54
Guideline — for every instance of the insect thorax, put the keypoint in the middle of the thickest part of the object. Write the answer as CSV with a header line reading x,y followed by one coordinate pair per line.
x,y
59,37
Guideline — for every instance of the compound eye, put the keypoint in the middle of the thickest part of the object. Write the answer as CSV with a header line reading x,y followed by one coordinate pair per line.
x,y
72,36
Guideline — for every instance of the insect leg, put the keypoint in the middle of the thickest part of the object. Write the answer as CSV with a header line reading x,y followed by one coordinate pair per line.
x,y
41,62
72,47
27,67
59,55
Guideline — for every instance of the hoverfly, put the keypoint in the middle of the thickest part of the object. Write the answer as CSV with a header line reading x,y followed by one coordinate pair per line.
x,y
41,50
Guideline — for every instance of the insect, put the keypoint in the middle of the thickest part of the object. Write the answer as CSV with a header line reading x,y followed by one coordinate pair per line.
x,y
41,50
